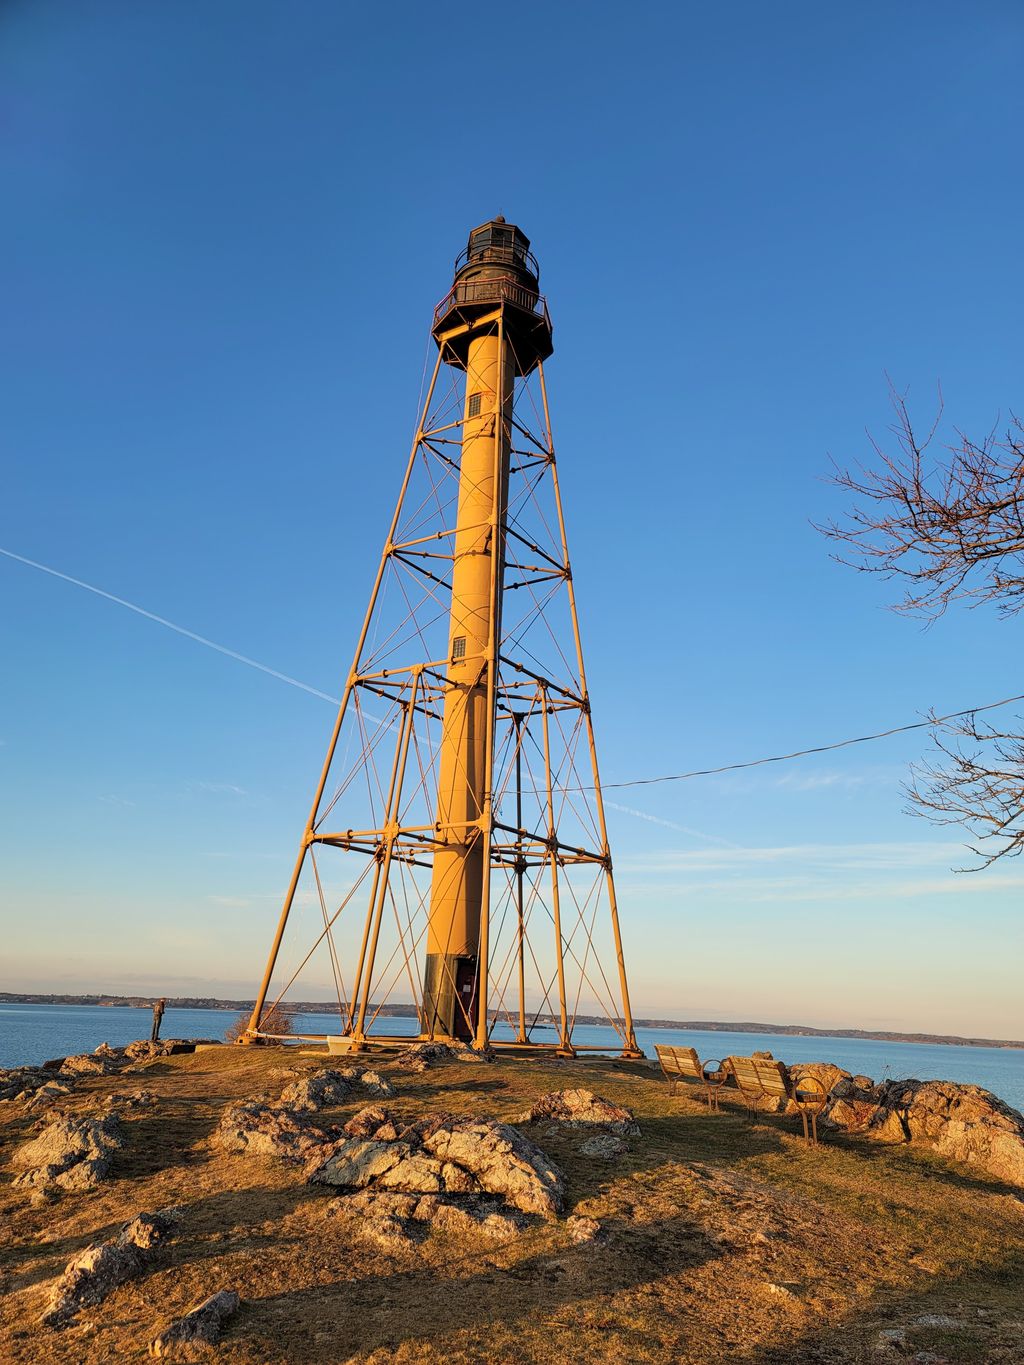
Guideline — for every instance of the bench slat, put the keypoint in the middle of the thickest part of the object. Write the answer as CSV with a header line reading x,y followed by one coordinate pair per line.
x,y
679,1061
774,1077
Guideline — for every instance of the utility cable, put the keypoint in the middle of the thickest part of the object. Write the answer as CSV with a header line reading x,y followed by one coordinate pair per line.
x,y
606,786
817,749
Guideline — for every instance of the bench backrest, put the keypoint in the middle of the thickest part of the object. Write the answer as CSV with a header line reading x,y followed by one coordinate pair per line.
x,y
745,1072
773,1077
679,1061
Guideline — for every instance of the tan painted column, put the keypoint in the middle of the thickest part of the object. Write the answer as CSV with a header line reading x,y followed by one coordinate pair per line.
x,y
458,875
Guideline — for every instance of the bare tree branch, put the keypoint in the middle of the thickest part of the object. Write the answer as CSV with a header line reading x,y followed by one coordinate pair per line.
x,y
977,782
949,528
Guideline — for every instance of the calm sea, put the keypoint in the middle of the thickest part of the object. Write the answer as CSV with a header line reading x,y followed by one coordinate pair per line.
x,y
33,1033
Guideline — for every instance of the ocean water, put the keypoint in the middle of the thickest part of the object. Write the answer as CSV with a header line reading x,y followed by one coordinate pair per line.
x,y
33,1033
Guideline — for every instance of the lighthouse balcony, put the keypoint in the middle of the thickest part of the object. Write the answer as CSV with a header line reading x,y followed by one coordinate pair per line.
x,y
527,322
492,289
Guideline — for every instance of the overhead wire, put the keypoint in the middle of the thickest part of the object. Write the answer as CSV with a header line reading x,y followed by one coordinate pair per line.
x,y
926,724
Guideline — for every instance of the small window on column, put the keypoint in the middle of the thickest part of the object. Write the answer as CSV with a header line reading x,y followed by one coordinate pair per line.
x,y
459,647
475,400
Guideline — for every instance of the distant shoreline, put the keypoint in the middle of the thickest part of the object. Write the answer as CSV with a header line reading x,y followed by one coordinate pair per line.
x,y
408,1011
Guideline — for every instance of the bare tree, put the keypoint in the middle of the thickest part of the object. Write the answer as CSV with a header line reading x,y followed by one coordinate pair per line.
x,y
950,527
274,1021
976,780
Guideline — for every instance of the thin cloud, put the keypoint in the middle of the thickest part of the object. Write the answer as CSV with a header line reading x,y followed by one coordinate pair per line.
x,y
834,857
243,854
809,782
669,824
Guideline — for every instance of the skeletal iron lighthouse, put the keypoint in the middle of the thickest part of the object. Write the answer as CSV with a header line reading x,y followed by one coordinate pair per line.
x,y
461,777
491,352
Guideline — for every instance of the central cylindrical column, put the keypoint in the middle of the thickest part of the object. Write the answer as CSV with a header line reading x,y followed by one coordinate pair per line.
x,y
453,932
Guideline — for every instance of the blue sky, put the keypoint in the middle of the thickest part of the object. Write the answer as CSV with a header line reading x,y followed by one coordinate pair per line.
x,y
225,228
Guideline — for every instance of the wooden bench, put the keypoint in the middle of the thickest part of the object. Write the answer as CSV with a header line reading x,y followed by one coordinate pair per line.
x,y
683,1064
759,1078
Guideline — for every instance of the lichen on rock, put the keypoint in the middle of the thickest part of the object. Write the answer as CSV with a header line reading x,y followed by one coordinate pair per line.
x,y
356,1162
502,1160
392,1219
420,1056
71,1152
370,1081
259,1128
321,1090
370,1121
443,1155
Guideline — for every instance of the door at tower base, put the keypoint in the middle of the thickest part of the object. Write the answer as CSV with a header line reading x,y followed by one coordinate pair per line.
x,y
449,997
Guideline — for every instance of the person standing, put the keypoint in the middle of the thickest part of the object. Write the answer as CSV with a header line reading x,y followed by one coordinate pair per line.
x,y
158,1014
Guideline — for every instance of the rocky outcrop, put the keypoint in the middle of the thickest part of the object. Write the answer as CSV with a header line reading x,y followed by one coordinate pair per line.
x,y
393,1220
961,1122
502,1160
283,1128
582,1108
72,1153
446,1156
357,1162
325,1089
321,1090
374,1121
258,1128
24,1083
200,1324
420,1056
97,1271
105,1061
372,1082
826,1074
55,1089
143,1050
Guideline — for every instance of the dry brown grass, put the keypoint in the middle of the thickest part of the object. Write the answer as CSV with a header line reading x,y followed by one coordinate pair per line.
x,y
727,1241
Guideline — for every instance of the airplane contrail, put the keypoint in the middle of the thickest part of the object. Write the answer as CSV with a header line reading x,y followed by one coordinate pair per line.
x,y
171,625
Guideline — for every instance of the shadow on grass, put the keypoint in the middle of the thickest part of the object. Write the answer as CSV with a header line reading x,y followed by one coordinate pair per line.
x,y
939,1320
159,1141
922,1163
361,1315
246,1219
484,1085
49,1258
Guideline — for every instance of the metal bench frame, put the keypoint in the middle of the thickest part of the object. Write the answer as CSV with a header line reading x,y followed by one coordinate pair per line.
x,y
760,1078
683,1064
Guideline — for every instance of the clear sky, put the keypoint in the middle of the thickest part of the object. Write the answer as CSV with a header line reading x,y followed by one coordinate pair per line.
x,y
224,229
